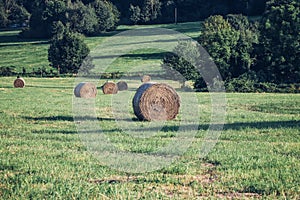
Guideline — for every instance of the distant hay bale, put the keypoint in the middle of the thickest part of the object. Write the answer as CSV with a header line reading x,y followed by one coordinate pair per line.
x,y
19,83
110,88
122,85
146,78
85,90
155,102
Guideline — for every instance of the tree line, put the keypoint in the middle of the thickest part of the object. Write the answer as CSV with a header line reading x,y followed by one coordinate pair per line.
x,y
249,55
163,11
89,17
24,12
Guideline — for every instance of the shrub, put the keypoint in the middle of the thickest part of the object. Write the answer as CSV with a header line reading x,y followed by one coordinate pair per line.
x,y
67,52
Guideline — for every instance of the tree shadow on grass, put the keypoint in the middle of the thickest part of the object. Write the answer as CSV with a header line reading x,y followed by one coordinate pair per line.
x,y
55,131
47,86
143,56
23,43
50,118
167,128
66,118
262,125
231,126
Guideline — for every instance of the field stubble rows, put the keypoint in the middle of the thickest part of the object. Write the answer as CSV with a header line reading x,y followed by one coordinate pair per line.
x,y
42,156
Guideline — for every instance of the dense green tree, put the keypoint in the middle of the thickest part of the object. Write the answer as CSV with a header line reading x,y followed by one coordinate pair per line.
x,y
279,52
82,18
145,12
243,58
230,42
182,61
151,10
12,13
219,38
45,14
67,51
107,14
135,14
18,15
3,15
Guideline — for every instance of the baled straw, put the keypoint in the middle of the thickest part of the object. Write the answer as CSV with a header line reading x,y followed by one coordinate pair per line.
x,y
19,83
85,90
146,78
122,85
110,88
156,102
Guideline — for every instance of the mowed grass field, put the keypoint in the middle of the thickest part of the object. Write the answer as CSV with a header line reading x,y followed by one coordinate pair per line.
x,y
42,155
33,54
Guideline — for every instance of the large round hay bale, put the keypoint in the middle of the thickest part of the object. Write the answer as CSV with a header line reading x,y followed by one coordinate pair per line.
x,y
155,102
122,85
110,88
85,90
146,78
19,83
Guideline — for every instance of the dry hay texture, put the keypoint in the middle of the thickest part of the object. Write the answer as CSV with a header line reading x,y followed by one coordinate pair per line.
x,y
110,88
146,78
122,85
156,102
85,90
19,83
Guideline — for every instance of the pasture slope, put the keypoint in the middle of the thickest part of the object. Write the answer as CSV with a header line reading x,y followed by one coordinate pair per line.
x,y
42,156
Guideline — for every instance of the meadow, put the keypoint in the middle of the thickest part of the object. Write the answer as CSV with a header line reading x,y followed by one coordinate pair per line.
x,y
32,54
43,156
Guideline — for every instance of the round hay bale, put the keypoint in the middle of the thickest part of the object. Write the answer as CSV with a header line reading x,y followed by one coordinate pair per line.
x,y
155,102
110,88
146,78
85,90
19,83
122,85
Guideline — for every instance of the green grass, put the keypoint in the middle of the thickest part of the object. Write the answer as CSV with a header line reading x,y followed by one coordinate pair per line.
x,y
33,54
42,156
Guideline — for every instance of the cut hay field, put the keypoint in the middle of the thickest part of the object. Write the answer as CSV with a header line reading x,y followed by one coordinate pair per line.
x,y
42,156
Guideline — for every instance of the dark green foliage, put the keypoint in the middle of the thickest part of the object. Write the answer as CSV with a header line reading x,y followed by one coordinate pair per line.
x,y
18,15
82,18
95,17
182,61
219,38
45,14
242,58
243,83
249,82
12,13
230,41
151,10
107,14
7,71
135,14
3,16
193,10
154,11
279,50
146,12
67,52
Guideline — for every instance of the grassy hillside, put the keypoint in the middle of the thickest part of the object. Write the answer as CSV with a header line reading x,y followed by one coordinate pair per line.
x,y
42,155
33,54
